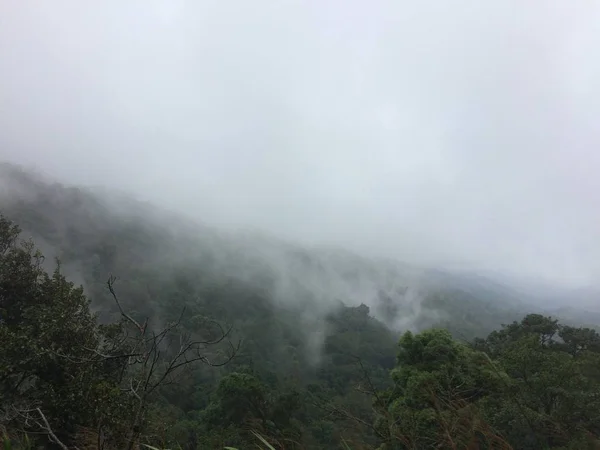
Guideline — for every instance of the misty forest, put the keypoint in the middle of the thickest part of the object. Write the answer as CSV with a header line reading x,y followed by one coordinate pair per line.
x,y
122,326
299,225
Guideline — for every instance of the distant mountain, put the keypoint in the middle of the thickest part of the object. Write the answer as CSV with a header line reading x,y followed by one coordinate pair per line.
x,y
94,231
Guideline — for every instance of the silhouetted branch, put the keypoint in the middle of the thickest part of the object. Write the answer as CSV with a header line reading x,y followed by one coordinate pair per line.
x,y
157,360
110,283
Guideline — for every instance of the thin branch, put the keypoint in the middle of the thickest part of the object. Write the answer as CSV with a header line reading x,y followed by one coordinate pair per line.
x,y
44,425
50,432
110,283
335,411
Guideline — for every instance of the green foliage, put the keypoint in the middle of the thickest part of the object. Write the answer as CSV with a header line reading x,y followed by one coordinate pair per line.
x,y
552,400
46,329
334,379
540,390
436,385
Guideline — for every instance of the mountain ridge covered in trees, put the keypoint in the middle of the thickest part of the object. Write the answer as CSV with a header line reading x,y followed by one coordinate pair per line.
x,y
203,340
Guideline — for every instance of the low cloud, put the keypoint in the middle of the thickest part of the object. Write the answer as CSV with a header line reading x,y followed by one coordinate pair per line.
x,y
454,134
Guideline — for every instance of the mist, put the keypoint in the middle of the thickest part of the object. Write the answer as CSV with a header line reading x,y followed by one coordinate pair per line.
x,y
450,135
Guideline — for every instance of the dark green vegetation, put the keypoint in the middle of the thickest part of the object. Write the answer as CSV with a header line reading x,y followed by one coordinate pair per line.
x,y
149,359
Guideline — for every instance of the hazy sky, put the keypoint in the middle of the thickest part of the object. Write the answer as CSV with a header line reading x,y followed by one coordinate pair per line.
x,y
452,132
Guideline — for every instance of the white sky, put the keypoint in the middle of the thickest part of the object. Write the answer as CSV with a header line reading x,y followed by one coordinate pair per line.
x,y
439,132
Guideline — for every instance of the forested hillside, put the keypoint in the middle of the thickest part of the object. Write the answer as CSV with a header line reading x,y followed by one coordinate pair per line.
x,y
187,337
94,235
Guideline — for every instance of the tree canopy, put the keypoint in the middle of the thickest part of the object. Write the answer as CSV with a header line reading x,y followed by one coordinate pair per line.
x,y
184,355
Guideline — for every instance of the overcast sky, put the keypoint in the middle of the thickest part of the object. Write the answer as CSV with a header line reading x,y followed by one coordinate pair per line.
x,y
438,132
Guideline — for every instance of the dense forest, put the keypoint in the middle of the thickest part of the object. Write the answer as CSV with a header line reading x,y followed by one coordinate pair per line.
x,y
122,326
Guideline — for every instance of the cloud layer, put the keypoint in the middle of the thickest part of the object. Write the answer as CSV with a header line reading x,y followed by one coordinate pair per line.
x,y
447,133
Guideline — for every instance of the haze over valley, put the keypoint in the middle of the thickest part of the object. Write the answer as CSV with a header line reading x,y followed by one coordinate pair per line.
x,y
322,218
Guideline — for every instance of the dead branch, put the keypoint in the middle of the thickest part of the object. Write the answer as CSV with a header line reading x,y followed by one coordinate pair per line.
x,y
47,427
41,423
156,357
110,283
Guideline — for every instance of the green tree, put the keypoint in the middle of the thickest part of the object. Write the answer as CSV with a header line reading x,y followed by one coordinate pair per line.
x,y
47,379
551,398
433,404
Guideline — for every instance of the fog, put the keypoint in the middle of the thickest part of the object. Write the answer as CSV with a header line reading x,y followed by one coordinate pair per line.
x,y
453,134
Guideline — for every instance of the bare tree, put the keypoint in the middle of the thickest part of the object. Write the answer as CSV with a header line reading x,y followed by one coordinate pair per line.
x,y
155,358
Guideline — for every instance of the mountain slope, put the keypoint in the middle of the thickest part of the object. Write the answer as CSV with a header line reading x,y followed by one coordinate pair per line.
x,y
314,322
95,235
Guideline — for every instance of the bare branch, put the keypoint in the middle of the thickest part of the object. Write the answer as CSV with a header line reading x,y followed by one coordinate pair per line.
x,y
156,356
111,281
44,425
335,411
50,432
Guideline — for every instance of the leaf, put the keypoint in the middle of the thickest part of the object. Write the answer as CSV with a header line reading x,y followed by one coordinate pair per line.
x,y
263,440
152,448
6,445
